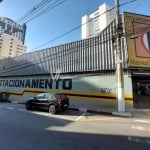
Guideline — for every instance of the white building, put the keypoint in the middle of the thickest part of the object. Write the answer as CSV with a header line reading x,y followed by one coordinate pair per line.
x,y
10,46
93,24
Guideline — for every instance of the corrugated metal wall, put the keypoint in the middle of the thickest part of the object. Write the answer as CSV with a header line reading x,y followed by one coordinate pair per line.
x,y
91,54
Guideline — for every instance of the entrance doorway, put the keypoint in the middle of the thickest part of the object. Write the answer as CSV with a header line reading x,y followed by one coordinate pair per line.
x,y
141,92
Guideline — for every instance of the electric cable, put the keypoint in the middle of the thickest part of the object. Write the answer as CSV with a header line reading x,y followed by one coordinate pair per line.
x,y
55,4
54,56
79,26
33,10
66,33
102,42
39,9
137,4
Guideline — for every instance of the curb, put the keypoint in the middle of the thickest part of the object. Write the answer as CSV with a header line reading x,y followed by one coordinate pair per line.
x,y
87,110
91,111
77,109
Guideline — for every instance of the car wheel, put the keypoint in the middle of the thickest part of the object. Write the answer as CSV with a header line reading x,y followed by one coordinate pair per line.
x,y
52,109
28,106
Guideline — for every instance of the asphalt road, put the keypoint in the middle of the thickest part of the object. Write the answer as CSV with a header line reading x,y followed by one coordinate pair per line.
x,y
71,130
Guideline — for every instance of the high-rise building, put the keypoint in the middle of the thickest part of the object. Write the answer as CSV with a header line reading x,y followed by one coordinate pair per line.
x,y
12,37
10,27
94,23
10,46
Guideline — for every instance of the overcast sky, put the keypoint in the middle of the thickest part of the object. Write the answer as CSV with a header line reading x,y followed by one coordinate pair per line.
x,y
60,19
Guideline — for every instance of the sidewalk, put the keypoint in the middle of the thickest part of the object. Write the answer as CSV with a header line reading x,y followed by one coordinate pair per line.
x,y
93,109
137,113
133,112
140,113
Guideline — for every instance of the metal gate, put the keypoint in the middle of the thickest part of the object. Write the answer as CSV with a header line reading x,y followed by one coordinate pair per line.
x,y
141,91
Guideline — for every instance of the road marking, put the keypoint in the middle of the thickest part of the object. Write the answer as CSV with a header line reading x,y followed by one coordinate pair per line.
x,y
65,118
142,121
138,128
61,116
11,108
80,117
85,118
68,118
22,109
138,140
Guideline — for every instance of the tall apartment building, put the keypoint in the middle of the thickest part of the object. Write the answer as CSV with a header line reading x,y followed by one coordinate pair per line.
x,y
10,46
12,37
94,23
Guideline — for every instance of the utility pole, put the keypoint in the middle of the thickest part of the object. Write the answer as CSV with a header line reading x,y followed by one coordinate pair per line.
x,y
119,61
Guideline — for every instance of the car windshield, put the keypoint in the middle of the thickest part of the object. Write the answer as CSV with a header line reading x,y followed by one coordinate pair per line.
x,y
40,95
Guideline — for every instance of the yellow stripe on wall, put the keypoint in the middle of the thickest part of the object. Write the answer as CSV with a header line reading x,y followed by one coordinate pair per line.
x,y
110,98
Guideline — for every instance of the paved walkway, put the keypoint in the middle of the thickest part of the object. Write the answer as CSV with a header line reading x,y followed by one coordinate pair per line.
x,y
137,113
140,113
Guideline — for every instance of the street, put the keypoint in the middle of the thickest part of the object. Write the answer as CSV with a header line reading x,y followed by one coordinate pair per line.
x,y
21,129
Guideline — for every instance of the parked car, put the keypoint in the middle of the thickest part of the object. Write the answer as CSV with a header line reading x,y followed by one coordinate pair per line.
x,y
50,101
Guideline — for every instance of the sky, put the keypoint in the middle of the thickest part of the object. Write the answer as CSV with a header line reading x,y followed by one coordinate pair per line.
x,y
42,31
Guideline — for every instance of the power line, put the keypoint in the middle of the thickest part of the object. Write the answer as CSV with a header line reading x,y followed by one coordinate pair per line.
x,y
106,38
14,67
139,2
61,54
51,57
53,5
58,37
33,10
70,31
128,2
79,26
39,9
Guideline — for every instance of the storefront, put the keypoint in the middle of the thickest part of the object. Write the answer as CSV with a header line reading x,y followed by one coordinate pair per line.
x,y
137,28
141,90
